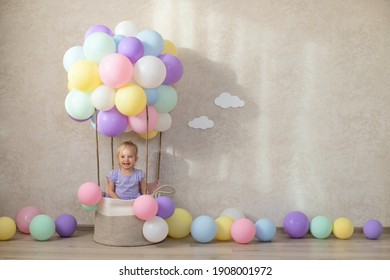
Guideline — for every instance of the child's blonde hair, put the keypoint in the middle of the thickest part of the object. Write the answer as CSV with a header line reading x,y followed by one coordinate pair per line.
x,y
127,144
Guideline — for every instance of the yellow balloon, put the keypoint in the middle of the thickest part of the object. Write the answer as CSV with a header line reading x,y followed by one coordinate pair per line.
x,y
130,100
179,224
84,76
151,135
224,224
343,228
7,228
169,48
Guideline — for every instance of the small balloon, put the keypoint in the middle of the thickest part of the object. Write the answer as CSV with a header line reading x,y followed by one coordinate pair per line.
x,y
103,98
115,70
97,45
169,48
155,230
83,75
130,100
72,55
132,48
112,123
78,105
174,68
144,122
98,28
24,217
89,193
149,71
167,99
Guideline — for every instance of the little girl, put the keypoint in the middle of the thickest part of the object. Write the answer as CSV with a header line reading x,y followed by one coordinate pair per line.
x,y
126,182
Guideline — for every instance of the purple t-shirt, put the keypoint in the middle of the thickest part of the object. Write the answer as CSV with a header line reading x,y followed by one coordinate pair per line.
x,y
127,187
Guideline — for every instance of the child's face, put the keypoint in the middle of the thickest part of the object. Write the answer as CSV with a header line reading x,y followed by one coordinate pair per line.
x,y
127,159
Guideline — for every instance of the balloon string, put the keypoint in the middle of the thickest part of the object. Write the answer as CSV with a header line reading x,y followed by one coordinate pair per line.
x,y
112,153
97,148
159,157
147,148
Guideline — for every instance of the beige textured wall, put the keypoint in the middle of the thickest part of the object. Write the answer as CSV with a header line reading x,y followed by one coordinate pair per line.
x,y
314,134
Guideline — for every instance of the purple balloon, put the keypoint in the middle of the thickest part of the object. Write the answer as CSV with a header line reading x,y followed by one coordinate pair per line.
x,y
112,123
98,28
372,229
132,48
166,207
66,225
174,68
296,224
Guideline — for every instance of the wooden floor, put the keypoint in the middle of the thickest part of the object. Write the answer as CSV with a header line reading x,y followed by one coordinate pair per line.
x,y
82,247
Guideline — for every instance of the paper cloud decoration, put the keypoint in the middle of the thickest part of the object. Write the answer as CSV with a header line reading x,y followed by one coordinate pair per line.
x,y
202,122
225,100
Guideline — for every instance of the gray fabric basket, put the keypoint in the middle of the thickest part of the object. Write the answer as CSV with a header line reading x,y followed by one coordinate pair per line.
x,y
116,224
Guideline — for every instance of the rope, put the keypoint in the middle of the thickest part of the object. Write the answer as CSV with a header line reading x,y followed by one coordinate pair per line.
x,y
112,153
159,156
97,148
147,147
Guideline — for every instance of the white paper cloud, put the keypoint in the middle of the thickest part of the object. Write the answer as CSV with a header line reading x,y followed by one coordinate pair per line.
x,y
226,100
202,122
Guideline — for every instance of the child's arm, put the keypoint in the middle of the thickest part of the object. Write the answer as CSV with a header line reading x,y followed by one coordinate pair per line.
x,y
111,189
143,186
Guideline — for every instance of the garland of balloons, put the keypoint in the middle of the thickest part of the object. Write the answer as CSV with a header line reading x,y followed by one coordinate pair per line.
x,y
124,78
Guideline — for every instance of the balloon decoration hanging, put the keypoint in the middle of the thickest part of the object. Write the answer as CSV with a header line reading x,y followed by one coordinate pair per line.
x,y
123,80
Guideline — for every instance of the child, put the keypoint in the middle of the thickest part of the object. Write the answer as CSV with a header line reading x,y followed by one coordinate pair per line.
x,y
126,182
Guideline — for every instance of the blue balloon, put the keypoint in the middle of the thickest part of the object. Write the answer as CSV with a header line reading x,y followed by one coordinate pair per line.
x,y
203,229
153,42
152,95
265,230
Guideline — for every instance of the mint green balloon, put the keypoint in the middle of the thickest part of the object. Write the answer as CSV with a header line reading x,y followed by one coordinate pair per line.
x,y
42,227
89,208
97,45
167,99
78,105
321,227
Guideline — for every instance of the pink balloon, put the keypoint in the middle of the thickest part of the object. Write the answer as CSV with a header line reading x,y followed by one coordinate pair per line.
x,y
138,122
243,230
145,207
24,217
115,70
89,194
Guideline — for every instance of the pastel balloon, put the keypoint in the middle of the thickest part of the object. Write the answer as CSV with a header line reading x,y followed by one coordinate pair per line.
x,y
103,98
66,225
343,228
84,76
7,228
155,230
174,68
111,123
72,55
145,207
179,223
164,122
78,105
150,135
224,225
127,28
115,70
167,99
132,48
97,45
118,39
42,227
89,193
24,217
265,229
98,28
130,100
149,71
139,122
203,229
153,42
169,47
234,213
151,95
166,206
296,224
243,231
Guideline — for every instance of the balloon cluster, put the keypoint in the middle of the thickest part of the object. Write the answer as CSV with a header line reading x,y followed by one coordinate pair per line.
x,y
127,76
41,227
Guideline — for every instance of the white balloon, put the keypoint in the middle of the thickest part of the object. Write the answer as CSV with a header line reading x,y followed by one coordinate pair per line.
x,y
103,98
155,230
232,213
127,28
164,122
149,71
